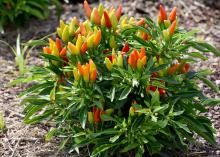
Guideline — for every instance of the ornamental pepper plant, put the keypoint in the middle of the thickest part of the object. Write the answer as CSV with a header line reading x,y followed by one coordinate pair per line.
x,y
119,85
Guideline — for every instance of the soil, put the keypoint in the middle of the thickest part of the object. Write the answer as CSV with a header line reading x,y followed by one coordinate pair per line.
x,y
28,140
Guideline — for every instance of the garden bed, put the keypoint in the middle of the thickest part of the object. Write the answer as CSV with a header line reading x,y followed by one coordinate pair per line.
x,y
25,140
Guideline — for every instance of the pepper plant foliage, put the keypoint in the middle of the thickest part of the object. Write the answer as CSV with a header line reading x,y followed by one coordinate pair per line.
x,y
119,85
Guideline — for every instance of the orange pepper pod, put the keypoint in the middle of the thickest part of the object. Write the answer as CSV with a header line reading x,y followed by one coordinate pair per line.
x,y
87,9
172,28
63,52
173,69
58,44
97,19
163,14
80,68
140,22
97,38
144,36
118,12
173,15
82,29
83,48
107,19
93,76
47,50
144,60
132,60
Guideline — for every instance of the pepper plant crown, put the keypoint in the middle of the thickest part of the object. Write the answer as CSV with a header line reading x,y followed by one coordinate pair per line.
x,y
121,85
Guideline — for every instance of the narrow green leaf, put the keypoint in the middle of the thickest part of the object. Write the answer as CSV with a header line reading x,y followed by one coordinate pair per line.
x,y
210,84
83,117
50,134
102,148
125,93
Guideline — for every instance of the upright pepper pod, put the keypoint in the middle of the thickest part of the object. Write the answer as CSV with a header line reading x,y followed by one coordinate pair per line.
x,y
113,19
65,34
97,38
118,12
112,42
58,44
76,74
90,117
108,63
173,15
100,9
172,28
87,9
73,49
163,14
47,50
95,18
107,19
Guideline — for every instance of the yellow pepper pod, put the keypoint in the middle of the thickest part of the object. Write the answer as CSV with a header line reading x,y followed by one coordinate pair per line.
x,y
144,60
120,59
103,20
62,25
166,35
109,111
131,111
108,63
59,32
51,43
92,65
79,42
90,41
87,26
113,19
90,117
72,28
139,64
76,74
132,20
100,9
92,16
167,23
112,42
65,34
86,73
55,50
73,49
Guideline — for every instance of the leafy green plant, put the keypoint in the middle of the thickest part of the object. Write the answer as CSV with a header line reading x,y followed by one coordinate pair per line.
x,y
117,85
18,11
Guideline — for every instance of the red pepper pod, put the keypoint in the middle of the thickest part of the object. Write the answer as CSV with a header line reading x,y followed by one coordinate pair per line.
x,y
118,12
58,44
161,91
47,50
107,19
63,52
125,48
173,14
163,14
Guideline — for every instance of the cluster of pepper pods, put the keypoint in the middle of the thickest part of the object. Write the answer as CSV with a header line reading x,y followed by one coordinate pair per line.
x,y
168,25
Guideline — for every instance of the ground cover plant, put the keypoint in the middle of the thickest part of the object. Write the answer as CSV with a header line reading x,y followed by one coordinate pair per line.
x,y
119,85
18,11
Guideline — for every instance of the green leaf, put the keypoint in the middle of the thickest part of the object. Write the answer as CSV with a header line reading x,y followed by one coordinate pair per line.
x,y
197,55
39,118
182,126
50,134
210,84
125,93
160,108
52,57
155,100
2,124
112,96
211,102
102,148
129,147
150,63
83,117
114,138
